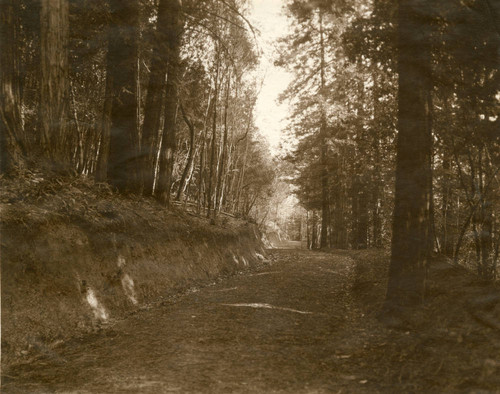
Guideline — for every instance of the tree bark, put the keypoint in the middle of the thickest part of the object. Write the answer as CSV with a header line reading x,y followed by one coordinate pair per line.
x,y
410,235
486,213
156,87
213,139
241,178
121,75
341,239
314,235
12,151
360,213
53,106
190,157
201,171
174,28
446,198
222,161
308,236
377,168
325,200
101,174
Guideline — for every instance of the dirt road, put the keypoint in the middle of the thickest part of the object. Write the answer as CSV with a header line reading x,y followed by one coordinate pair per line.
x,y
293,327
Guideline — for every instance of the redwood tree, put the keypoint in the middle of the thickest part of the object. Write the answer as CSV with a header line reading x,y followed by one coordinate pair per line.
x,y
174,31
410,237
165,41
121,90
53,111
11,147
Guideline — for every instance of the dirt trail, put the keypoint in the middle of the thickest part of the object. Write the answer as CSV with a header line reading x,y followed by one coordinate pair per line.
x,y
292,327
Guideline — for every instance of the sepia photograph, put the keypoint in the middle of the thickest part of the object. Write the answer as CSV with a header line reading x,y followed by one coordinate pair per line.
x,y
250,196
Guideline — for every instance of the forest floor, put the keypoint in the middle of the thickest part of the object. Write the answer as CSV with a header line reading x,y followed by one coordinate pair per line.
x,y
305,323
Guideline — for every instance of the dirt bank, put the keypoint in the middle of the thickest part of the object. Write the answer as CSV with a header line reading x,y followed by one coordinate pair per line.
x,y
76,256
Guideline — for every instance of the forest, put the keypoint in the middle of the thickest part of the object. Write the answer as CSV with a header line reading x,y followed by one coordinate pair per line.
x,y
393,139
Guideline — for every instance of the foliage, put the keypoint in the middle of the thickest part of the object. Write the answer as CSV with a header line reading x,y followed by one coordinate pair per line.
x,y
214,142
360,100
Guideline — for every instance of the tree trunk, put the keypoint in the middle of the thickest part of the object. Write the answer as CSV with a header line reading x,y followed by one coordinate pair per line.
x,y
174,32
446,198
121,75
341,239
308,236
101,174
361,228
201,171
376,215
314,234
325,200
156,86
486,235
222,161
12,150
190,157
241,178
377,169
189,176
487,253
53,110
213,139
410,234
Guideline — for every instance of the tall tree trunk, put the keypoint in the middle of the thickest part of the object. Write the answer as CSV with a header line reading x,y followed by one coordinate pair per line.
x,y
308,236
360,202
12,150
230,178
377,167
447,247
314,235
241,178
222,161
376,211
101,174
341,239
325,200
213,139
53,106
157,79
354,212
189,177
362,176
201,171
486,213
174,28
79,145
121,75
231,188
190,157
410,235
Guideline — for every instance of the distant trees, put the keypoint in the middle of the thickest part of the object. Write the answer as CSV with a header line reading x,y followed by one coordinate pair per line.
x,y
469,102
341,154
306,54
153,97
413,134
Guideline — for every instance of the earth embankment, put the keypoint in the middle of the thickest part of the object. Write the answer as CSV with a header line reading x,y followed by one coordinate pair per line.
x,y
76,256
